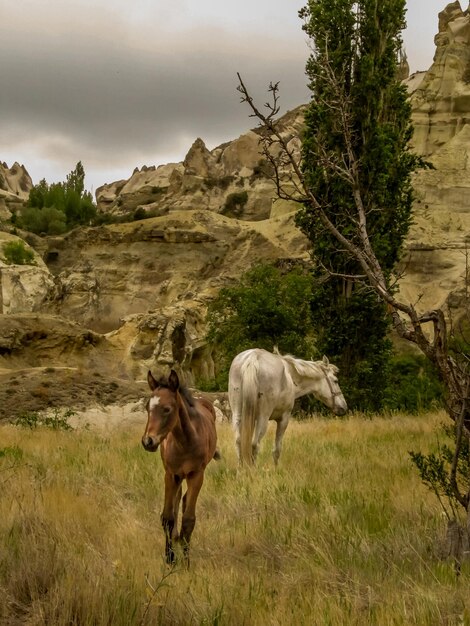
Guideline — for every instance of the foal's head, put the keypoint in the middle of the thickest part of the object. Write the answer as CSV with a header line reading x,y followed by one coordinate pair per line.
x,y
162,410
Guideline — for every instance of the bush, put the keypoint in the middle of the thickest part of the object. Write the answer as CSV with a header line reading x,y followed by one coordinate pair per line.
x,y
140,214
234,204
16,253
413,385
266,308
46,221
56,421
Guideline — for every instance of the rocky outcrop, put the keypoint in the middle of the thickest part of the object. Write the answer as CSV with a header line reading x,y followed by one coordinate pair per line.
x,y
24,288
232,180
15,185
35,337
441,100
144,286
435,264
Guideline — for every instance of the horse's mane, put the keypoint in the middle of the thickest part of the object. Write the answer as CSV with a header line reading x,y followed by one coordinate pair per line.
x,y
306,368
301,367
187,396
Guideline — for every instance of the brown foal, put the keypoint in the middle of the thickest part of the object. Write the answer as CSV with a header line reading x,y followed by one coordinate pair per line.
x,y
184,429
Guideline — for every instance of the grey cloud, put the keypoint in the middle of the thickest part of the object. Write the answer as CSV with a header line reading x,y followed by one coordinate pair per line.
x,y
111,99
118,86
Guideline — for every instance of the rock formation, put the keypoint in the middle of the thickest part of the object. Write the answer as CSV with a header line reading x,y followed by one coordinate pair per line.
x,y
15,185
231,180
23,288
441,100
436,261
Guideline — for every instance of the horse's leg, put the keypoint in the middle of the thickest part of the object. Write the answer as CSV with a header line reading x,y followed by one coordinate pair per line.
x,y
281,426
261,427
236,428
194,482
172,484
176,506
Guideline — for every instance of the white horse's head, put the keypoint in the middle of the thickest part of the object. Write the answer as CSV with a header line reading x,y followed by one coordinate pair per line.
x,y
328,390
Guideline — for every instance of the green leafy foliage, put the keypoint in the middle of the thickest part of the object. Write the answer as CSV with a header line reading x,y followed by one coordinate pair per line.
x,y
435,469
13,453
139,214
15,253
413,385
56,208
49,220
358,44
234,203
56,421
352,330
268,307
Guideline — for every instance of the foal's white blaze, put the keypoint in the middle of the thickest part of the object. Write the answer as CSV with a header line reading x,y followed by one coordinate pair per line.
x,y
154,402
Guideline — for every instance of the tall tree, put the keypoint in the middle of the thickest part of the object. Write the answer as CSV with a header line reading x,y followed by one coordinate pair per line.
x,y
76,180
354,65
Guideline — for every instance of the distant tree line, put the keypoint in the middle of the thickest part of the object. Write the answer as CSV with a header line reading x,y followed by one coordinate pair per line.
x,y
53,209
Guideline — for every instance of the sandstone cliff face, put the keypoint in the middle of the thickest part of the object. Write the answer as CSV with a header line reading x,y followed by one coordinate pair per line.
x,y
146,284
441,101
436,260
142,288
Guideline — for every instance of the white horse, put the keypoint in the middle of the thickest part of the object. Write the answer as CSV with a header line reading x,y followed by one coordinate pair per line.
x,y
263,386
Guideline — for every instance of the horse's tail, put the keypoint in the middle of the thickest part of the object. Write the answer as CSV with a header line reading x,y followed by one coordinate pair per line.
x,y
249,394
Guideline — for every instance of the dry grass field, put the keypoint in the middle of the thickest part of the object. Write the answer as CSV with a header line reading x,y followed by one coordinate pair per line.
x,y
343,533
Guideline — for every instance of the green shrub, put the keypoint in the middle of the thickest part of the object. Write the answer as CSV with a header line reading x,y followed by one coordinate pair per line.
x,y
11,452
234,204
15,253
55,421
267,307
45,221
413,385
140,214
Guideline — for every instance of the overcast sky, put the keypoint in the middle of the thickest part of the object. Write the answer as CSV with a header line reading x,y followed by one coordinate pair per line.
x,y
119,84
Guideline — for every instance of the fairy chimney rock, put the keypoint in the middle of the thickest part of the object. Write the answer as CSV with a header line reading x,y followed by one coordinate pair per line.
x,y
198,160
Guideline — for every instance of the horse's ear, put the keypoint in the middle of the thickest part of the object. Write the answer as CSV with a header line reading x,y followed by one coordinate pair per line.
x,y
325,361
151,381
173,381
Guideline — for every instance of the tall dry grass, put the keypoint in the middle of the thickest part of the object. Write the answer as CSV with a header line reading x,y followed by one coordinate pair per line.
x,y
342,533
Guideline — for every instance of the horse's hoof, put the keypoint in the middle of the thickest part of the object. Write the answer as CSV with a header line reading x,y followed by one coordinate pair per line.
x,y
170,558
